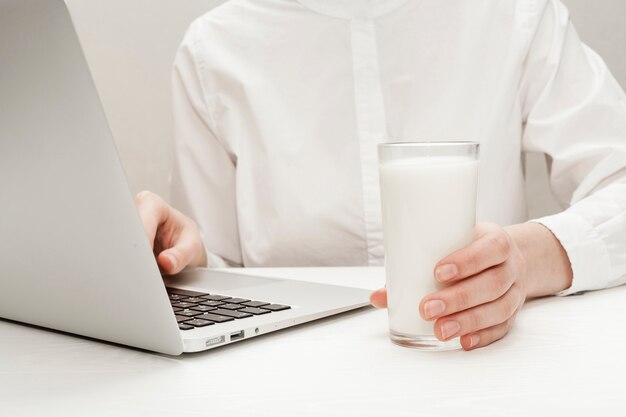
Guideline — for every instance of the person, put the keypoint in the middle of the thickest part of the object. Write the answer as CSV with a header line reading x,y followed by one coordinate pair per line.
x,y
279,105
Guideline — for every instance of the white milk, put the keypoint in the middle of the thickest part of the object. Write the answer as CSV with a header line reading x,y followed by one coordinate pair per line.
x,y
429,211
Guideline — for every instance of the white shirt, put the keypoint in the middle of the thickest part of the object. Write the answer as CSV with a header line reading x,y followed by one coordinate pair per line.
x,y
279,105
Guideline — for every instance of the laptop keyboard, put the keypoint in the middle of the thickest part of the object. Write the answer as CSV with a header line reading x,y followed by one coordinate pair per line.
x,y
195,309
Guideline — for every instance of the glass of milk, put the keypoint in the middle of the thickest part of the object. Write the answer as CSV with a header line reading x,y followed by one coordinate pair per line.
x,y
428,194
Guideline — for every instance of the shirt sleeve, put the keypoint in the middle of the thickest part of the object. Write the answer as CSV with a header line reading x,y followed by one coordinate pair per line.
x,y
575,112
203,171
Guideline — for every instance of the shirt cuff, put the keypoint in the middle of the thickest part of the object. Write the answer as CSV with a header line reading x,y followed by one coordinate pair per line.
x,y
588,255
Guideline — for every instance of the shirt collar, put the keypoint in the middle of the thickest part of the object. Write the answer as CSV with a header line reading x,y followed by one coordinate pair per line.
x,y
353,9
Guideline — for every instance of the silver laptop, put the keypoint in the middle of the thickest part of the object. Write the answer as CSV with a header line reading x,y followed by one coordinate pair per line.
x,y
73,253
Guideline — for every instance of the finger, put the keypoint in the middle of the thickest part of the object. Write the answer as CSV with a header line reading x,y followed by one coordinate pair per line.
x,y
486,337
379,298
481,317
488,250
480,289
152,211
186,250
168,262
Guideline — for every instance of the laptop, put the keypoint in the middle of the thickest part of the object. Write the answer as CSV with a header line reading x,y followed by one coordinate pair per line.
x,y
73,253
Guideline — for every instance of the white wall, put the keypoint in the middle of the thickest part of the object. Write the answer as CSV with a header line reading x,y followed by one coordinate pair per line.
x,y
602,25
130,45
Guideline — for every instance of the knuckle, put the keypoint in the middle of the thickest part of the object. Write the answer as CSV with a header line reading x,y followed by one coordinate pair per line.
x,y
500,280
473,321
521,264
187,226
501,242
508,325
510,304
144,197
462,300
472,262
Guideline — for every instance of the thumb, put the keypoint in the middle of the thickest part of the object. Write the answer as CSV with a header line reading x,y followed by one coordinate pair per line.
x,y
185,252
379,298
170,261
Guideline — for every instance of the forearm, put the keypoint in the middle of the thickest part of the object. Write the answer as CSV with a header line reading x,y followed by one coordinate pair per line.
x,y
548,266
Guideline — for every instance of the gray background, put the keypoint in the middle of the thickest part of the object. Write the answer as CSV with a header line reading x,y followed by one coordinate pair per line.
x,y
130,46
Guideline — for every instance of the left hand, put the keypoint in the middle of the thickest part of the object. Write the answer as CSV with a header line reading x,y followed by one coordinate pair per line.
x,y
487,287
174,237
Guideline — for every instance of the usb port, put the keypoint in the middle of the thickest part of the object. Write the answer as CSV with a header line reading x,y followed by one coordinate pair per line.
x,y
236,336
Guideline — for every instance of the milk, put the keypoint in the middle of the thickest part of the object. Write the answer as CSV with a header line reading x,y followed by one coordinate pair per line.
x,y
429,211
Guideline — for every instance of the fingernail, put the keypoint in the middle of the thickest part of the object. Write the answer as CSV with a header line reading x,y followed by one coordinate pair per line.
x,y
474,340
433,308
449,329
446,272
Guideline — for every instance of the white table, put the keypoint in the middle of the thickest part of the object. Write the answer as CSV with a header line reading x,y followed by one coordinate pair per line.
x,y
565,356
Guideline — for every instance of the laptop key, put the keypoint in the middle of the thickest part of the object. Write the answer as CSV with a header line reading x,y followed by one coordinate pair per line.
x,y
238,300
182,318
194,300
183,326
215,317
276,307
187,293
184,305
199,323
212,303
232,313
188,313
255,303
232,306
216,297
254,310
203,308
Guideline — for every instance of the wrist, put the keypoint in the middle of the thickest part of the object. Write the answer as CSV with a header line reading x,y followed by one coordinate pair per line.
x,y
204,261
548,267
202,258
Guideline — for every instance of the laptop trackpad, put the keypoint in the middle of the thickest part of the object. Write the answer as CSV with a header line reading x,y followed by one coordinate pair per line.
x,y
206,279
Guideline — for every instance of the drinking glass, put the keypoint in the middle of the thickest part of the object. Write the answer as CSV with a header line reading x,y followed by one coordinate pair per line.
x,y
428,194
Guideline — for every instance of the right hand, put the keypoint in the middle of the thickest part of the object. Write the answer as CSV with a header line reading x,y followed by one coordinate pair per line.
x,y
174,237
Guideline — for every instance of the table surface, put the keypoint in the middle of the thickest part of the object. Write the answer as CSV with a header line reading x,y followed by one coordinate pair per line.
x,y
565,356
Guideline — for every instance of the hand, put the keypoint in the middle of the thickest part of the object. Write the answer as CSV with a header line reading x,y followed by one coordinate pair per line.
x,y
487,287
175,238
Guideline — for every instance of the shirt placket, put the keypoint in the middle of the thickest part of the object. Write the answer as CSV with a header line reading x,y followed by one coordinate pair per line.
x,y
371,128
